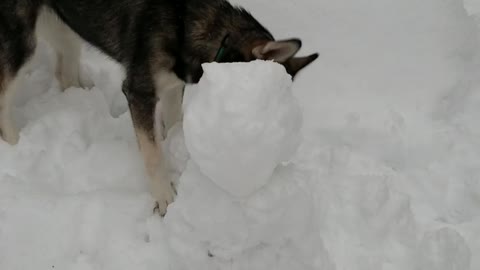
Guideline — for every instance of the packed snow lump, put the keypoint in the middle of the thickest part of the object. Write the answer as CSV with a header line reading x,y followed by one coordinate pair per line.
x,y
240,122
239,200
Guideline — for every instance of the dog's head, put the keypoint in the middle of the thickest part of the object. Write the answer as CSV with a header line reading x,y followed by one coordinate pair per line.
x,y
237,48
223,33
284,52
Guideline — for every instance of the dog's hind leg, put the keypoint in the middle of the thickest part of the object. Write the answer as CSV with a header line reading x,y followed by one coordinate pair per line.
x,y
8,86
67,47
18,43
7,129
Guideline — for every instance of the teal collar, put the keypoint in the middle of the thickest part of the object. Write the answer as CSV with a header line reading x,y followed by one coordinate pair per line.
x,y
221,51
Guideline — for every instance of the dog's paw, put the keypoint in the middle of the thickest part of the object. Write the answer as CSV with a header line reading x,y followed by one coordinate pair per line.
x,y
9,134
70,76
164,195
66,83
86,80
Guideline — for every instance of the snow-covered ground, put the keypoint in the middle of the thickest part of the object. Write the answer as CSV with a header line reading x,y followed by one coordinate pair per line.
x,y
386,175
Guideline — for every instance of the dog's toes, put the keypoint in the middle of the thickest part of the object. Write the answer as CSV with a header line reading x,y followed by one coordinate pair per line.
x,y
72,79
174,188
86,82
164,193
160,209
156,208
162,203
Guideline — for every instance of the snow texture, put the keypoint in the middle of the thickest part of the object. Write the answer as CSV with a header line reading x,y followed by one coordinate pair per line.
x,y
386,175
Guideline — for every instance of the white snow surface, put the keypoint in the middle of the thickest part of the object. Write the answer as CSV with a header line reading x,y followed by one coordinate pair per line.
x,y
386,175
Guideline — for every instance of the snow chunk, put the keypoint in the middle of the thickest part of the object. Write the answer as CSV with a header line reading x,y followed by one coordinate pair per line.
x,y
444,249
240,122
272,229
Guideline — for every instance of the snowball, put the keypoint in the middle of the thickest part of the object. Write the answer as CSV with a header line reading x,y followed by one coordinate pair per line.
x,y
240,122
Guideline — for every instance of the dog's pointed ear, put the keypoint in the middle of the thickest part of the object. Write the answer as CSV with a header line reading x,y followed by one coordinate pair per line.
x,y
279,51
295,64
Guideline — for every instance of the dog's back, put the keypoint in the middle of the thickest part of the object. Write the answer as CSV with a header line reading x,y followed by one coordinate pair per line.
x,y
111,25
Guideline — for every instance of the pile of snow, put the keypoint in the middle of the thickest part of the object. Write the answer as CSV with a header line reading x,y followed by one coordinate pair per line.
x,y
386,172
237,200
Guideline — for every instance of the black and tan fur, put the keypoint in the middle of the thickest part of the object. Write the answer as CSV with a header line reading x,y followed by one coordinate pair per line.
x,y
161,44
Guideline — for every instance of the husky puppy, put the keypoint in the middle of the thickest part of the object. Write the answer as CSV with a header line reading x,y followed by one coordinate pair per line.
x,y
160,43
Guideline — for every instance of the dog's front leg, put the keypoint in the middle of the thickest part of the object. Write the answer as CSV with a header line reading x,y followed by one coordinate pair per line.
x,y
142,97
169,108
